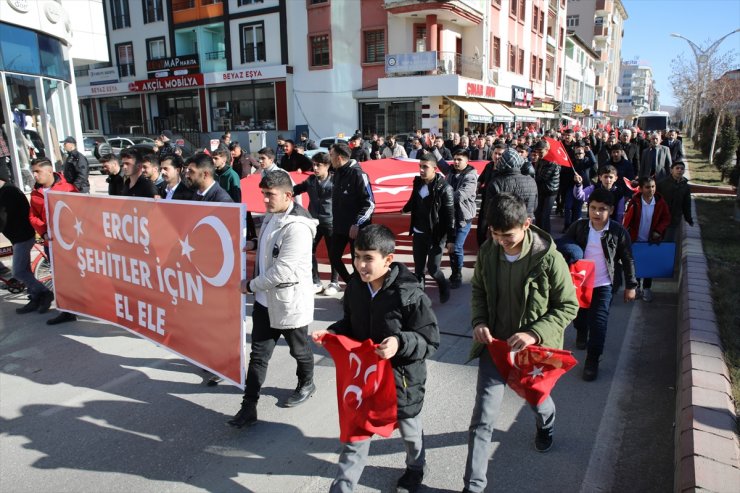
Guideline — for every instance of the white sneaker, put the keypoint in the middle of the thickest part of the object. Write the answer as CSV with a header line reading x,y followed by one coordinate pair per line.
x,y
318,287
331,289
647,295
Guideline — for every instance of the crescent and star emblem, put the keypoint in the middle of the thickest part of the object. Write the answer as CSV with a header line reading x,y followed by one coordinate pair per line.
x,y
227,267
55,226
354,389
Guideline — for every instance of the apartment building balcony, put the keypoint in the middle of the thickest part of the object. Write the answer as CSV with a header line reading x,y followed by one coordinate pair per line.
x,y
434,74
604,7
194,10
553,5
463,12
601,31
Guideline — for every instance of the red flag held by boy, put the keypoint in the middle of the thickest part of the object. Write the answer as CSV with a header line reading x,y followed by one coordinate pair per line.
x,y
583,274
366,390
557,153
531,372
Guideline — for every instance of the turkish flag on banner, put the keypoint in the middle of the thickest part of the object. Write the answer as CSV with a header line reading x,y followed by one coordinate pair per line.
x,y
583,273
366,390
531,372
557,153
252,195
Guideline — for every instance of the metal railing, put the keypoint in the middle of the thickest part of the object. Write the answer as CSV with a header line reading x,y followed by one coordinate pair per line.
x,y
254,54
455,63
153,14
215,55
121,21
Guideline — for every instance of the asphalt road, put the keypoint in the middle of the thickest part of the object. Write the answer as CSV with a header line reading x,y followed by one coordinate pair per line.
x,y
88,407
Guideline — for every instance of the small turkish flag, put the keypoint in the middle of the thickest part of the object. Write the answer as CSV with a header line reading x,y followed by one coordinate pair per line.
x,y
557,153
628,184
500,130
583,273
531,372
366,389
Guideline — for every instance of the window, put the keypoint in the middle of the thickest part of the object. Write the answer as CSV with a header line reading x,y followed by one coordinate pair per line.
x,y
253,42
119,14
560,76
496,52
155,48
512,58
420,37
513,8
183,4
540,68
320,53
125,59
572,20
496,4
374,46
152,10
520,61
248,107
535,18
533,68
542,23
561,39
241,3
522,10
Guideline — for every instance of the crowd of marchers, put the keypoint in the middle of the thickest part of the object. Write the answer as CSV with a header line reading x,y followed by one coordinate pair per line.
x,y
618,187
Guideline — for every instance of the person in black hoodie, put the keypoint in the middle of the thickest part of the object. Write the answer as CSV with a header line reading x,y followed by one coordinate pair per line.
x,y
385,303
352,205
16,226
547,176
432,225
293,160
319,189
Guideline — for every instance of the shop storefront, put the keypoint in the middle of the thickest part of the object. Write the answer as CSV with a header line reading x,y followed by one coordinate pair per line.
x,y
36,96
248,99
390,117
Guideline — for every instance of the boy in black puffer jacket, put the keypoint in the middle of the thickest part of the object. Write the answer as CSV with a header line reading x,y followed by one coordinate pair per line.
x,y
547,176
384,302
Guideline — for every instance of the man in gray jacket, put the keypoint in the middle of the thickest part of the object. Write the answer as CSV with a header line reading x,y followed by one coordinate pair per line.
x,y
283,293
656,159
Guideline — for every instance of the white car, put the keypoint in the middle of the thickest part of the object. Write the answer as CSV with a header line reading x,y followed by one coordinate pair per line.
x,y
119,143
324,145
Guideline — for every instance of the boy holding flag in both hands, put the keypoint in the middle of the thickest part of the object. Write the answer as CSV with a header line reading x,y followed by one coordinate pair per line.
x,y
522,293
383,302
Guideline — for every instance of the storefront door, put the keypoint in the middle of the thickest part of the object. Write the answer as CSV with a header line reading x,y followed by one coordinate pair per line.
x,y
180,111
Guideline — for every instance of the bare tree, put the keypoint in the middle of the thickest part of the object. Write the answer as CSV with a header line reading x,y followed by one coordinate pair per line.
x,y
723,95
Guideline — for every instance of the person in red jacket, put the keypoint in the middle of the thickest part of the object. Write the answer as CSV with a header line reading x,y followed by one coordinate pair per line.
x,y
647,219
47,179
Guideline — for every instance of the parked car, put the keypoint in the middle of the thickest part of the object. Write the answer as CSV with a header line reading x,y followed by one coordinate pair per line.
x,y
117,144
94,146
324,145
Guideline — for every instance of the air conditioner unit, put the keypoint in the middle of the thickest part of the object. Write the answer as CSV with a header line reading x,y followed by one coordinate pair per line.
x,y
493,76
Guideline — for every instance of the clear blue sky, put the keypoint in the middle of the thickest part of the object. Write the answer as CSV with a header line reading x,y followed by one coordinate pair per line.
x,y
650,23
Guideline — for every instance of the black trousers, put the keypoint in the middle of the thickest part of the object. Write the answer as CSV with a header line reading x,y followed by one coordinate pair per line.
x,y
264,339
336,251
427,254
324,232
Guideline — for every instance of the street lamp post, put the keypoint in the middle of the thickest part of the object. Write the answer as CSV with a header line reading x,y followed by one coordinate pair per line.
x,y
702,61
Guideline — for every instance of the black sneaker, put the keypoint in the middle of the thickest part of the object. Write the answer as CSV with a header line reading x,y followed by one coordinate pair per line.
x,y
31,306
591,368
61,318
247,415
543,440
301,394
45,301
444,290
410,481
214,380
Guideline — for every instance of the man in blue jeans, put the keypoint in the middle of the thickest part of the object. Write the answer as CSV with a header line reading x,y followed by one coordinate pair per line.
x,y
605,242
463,179
16,226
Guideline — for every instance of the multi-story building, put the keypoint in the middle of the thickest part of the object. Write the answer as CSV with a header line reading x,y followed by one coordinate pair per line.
x,y
38,41
580,80
601,23
329,66
638,91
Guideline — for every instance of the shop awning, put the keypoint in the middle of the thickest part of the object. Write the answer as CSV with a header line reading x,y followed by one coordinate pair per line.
x,y
475,111
547,115
524,114
499,111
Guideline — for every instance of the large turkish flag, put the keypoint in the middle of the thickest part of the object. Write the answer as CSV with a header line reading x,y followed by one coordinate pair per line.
x,y
391,181
583,273
366,390
531,372
557,153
